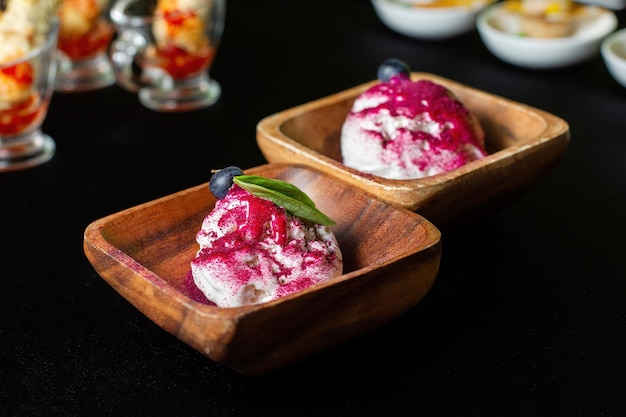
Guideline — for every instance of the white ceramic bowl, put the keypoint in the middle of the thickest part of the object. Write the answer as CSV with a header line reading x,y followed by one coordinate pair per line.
x,y
614,54
499,30
408,18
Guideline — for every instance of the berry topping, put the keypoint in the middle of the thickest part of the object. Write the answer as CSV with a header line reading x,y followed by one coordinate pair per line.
x,y
222,180
393,67
283,194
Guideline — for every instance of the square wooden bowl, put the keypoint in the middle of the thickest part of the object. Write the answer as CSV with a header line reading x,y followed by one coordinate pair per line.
x,y
524,145
391,258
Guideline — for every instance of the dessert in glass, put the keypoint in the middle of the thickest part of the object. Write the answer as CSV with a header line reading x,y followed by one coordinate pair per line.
x,y
84,37
164,51
28,37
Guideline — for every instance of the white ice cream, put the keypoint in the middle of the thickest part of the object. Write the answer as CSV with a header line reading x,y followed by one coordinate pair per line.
x,y
406,130
252,251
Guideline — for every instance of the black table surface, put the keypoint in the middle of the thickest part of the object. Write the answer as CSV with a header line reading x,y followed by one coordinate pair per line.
x,y
527,315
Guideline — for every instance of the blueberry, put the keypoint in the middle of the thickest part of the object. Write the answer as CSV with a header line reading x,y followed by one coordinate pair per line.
x,y
392,67
222,180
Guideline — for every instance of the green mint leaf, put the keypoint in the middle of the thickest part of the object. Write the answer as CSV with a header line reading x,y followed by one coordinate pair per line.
x,y
284,194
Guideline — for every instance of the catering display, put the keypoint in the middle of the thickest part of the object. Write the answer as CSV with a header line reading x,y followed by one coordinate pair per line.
x,y
409,215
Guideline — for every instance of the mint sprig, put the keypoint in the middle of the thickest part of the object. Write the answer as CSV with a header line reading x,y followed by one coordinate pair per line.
x,y
284,194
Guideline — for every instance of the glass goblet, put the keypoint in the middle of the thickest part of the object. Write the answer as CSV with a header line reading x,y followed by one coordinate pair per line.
x,y
84,37
164,50
26,86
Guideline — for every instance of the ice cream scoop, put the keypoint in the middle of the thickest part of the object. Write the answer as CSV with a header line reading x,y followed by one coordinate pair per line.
x,y
253,251
404,129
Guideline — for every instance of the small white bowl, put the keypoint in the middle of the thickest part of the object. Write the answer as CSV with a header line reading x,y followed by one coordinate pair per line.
x,y
410,19
614,54
499,30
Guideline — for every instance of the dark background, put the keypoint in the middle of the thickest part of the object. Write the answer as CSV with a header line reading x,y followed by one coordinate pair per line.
x,y
526,318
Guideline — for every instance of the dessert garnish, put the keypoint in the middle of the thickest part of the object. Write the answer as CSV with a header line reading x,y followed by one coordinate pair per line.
x,y
281,193
392,67
222,180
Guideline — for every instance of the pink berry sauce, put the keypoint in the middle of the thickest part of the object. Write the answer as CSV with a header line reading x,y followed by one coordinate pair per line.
x,y
416,124
254,242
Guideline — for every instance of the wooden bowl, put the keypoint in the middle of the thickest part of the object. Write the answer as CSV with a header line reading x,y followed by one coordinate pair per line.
x,y
391,258
524,144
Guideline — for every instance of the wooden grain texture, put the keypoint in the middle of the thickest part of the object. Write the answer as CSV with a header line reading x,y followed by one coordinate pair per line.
x,y
391,258
524,145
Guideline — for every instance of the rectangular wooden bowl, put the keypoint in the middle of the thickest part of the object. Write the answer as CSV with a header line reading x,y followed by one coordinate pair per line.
x,y
524,145
391,258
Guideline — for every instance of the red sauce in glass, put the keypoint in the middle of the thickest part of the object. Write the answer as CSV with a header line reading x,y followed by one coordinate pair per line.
x,y
22,73
24,113
21,116
180,63
87,45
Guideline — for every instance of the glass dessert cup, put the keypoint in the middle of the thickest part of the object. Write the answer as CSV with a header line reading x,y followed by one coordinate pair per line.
x,y
27,85
83,47
159,64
